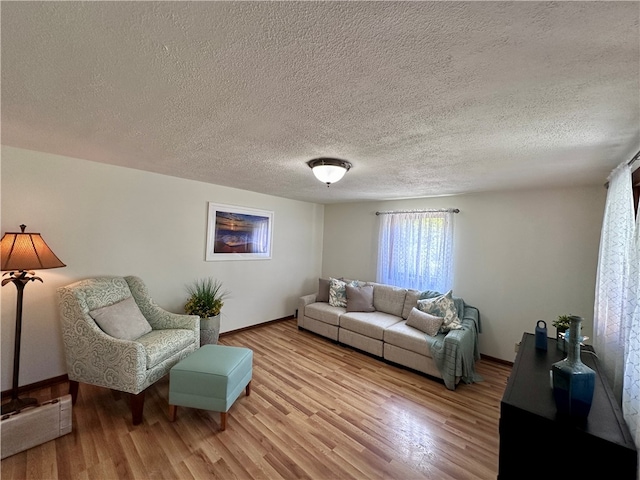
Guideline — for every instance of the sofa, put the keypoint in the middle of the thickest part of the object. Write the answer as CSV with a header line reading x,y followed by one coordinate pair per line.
x,y
389,322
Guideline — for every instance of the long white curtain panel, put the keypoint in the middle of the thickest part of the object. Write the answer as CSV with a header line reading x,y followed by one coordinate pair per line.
x,y
611,321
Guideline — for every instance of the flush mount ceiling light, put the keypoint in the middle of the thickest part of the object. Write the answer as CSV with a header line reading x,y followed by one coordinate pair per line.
x,y
329,170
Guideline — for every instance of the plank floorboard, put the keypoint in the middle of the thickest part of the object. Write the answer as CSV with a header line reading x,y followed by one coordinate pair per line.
x,y
317,410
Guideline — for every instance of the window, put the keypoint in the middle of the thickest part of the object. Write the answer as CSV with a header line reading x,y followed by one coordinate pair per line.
x,y
415,250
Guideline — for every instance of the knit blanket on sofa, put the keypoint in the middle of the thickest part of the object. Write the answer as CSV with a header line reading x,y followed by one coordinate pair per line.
x,y
456,352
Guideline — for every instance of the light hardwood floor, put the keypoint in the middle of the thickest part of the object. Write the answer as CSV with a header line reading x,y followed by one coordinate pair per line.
x,y
317,410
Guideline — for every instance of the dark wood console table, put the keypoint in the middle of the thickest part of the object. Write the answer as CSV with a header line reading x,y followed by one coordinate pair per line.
x,y
536,443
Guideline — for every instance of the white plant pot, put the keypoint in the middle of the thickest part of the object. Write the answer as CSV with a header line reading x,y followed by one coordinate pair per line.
x,y
209,330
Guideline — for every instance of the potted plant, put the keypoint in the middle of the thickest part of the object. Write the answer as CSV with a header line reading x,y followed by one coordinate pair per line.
x,y
562,325
206,299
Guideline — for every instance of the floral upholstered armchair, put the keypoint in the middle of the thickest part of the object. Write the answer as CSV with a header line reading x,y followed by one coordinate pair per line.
x,y
115,336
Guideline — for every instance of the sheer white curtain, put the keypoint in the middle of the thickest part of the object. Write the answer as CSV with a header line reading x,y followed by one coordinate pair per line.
x,y
631,390
415,250
612,322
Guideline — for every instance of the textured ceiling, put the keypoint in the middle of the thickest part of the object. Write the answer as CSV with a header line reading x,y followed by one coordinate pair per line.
x,y
424,98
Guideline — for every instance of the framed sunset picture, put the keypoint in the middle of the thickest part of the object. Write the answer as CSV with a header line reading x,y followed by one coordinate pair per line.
x,y
238,233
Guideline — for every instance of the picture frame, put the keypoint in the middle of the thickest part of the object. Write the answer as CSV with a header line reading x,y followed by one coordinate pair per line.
x,y
238,233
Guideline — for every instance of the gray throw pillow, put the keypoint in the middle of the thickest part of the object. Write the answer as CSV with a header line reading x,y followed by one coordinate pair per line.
x,y
323,290
425,322
360,299
122,320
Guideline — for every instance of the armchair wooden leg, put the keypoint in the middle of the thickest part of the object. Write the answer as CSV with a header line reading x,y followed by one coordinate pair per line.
x,y
172,412
73,391
248,389
137,405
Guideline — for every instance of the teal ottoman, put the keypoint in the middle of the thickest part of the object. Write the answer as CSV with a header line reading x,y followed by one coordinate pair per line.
x,y
211,378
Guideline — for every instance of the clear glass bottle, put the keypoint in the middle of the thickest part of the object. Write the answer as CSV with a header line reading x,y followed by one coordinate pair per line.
x,y
573,381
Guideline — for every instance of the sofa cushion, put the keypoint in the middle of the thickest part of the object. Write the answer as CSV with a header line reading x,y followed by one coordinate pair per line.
x,y
323,290
425,322
360,298
324,312
370,324
122,320
442,306
389,299
403,336
410,301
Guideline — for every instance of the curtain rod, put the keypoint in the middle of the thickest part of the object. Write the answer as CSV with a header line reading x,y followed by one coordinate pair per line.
x,y
629,163
391,212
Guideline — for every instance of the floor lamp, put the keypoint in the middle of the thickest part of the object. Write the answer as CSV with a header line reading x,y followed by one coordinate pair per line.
x,y
22,253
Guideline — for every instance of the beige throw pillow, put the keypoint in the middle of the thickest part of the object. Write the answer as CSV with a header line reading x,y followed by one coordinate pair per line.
x,y
122,320
425,322
410,301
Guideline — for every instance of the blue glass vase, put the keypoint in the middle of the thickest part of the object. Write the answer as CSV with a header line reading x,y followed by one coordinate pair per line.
x,y
573,381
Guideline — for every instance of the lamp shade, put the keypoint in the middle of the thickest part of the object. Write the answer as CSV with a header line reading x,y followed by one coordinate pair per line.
x,y
26,251
329,170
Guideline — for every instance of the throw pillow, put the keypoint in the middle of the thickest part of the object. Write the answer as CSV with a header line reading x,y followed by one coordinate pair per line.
x,y
338,291
442,306
360,299
425,322
410,301
122,320
323,290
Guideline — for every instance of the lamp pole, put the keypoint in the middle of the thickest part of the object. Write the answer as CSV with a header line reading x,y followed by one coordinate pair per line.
x,y
16,403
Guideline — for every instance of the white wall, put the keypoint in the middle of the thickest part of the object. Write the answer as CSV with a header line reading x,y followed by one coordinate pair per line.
x,y
106,220
519,256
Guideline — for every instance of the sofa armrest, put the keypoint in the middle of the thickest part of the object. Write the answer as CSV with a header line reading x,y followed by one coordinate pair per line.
x,y
460,351
472,314
302,303
471,327
456,337
307,300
